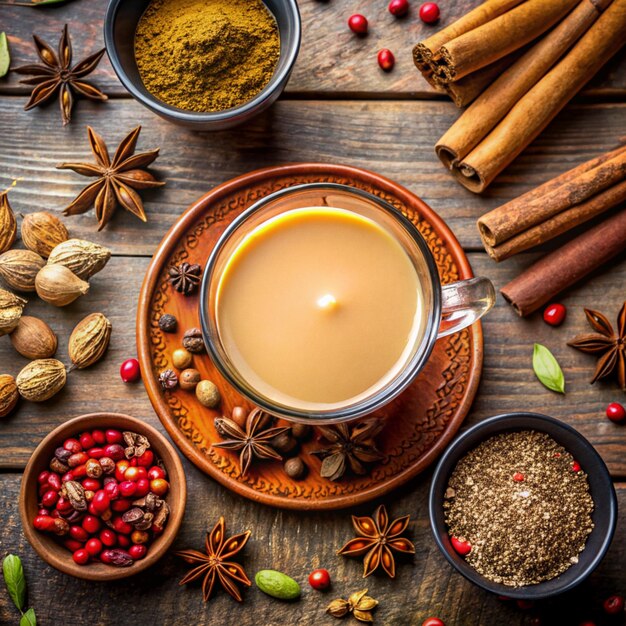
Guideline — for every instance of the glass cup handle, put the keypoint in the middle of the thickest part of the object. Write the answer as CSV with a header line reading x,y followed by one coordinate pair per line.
x,y
463,303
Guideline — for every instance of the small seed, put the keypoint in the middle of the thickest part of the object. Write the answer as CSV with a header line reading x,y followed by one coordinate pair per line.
x,y
189,379
295,468
181,358
208,394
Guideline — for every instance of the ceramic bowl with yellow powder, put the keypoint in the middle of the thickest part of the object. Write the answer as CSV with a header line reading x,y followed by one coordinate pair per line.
x,y
205,64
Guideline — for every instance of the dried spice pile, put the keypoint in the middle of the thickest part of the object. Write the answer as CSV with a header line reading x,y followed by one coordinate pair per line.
x,y
201,55
523,504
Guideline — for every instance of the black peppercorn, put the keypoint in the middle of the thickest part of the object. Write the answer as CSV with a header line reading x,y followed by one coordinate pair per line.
x,y
168,379
168,323
295,468
193,342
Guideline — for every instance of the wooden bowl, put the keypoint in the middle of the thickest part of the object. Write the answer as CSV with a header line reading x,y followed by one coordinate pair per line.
x,y
49,548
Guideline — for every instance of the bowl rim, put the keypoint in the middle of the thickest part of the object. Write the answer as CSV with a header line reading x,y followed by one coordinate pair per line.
x,y
167,110
452,456
67,566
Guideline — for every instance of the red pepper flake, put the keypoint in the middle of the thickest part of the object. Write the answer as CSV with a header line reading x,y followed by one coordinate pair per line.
x,y
576,466
518,477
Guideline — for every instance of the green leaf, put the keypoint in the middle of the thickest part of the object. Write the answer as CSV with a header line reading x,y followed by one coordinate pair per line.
x,y
547,369
15,580
5,57
29,619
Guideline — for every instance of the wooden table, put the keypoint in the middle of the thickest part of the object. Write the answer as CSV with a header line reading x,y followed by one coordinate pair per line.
x,y
339,107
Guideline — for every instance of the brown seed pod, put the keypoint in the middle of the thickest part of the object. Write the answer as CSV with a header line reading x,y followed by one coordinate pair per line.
x,y
41,379
19,268
33,338
8,394
89,340
59,286
8,225
11,307
82,257
42,232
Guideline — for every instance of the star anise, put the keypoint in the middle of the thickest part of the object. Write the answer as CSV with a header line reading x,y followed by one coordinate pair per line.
x,y
117,178
606,342
214,565
185,277
359,604
350,447
377,538
253,442
57,75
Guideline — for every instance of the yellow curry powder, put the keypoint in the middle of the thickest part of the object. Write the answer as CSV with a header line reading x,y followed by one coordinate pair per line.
x,y
206,55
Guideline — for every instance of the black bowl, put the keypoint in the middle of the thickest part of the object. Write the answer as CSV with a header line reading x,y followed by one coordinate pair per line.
x,y
120,23
600,484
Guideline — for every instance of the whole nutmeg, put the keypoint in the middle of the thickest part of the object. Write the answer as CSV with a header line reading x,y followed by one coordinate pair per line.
x,y
295,468
19,269
168,323
41,379
33,338
8,225
57,285
193,341
285,444
42,232
84,258
89,340
11,307
181,358
189,378
208,394
8,394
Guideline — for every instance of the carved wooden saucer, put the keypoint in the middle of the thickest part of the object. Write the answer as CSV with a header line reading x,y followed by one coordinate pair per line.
x,y
425,417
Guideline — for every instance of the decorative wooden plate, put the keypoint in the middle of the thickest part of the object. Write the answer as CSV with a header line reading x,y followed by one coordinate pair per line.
x,y
425,417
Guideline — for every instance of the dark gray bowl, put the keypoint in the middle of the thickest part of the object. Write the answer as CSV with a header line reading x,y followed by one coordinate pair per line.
x,y
120,23
600,484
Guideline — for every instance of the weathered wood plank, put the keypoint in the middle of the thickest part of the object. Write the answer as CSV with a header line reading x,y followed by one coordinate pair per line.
x,y
395,139
508,382
295,543
332,60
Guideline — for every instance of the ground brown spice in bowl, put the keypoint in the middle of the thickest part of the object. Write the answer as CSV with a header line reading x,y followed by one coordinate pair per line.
x,y
523,504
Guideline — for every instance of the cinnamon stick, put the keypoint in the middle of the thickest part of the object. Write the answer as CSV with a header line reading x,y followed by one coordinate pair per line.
x,y
500,97
540,105
424,51
497,38
566,266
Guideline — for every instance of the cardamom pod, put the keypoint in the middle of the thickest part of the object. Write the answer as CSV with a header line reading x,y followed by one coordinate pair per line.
x,y
11,307
89,340
58,285
41,379
42,232
19,268
8,225
8,394
33,338
82,257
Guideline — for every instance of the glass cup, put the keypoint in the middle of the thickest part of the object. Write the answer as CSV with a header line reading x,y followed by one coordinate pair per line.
x,y
450,308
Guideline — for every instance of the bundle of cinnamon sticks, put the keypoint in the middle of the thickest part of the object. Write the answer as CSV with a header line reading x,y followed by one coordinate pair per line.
x,y
519,62
561,204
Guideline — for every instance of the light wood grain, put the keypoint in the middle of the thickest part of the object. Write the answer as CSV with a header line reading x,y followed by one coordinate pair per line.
x,y
332,61
394,139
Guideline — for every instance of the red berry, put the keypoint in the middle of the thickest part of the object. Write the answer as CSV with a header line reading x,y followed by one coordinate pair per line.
x,y
98,437
613,605
42,479
460,546
54,482
50,498
81,557
319,579
554,314
114,436
518,477
433,621
119,506
137,552
128,489
114,451
123,541
576,466
358,24
429,12
91,524
112,490
108,537
78,533
143,487
101,501
92,484
398,7
120,469
386,60
86,441
146,459
130,371
525,605
616,412
44,523
73,445
121,526
156,472
96,453
94,546
159,486
72,545
135,473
